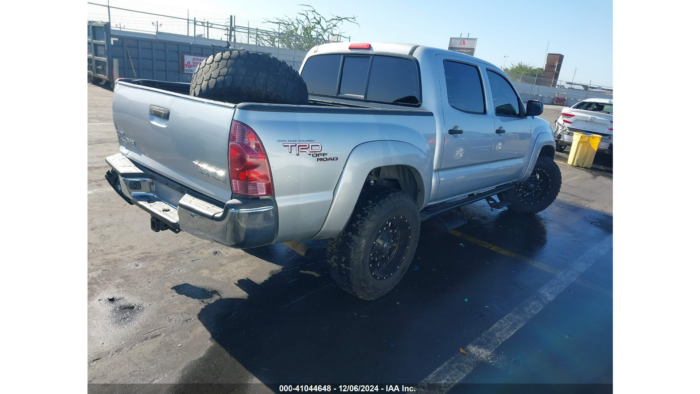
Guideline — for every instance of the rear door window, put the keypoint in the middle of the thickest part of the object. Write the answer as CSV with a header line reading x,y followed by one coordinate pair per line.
x,y
464,89
375,78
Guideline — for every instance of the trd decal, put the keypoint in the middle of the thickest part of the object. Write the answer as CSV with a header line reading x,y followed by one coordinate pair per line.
x,y
313,149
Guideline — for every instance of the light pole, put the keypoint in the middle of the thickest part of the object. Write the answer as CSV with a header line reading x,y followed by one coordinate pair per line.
x,y
156,24
504,62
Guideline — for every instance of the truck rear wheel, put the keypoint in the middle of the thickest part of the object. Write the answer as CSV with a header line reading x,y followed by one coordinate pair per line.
x,y
242,76
537,192
376,247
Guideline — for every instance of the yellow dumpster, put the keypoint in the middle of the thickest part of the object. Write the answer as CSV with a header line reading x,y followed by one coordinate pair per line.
x,y
583,149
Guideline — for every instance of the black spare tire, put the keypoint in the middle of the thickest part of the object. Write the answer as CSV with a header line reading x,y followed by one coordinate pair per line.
x,y
243,76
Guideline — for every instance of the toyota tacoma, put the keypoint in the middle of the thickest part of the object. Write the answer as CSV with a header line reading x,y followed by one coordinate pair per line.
x,y
387,136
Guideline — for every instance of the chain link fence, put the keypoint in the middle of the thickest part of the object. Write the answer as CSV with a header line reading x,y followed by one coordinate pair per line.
x,y
252,36
556,92
558,83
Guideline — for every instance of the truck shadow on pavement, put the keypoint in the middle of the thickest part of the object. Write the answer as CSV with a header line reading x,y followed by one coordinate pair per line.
x,y
299,327
602,163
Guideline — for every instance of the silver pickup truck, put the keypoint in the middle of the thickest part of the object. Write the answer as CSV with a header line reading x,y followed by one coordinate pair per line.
x,y
392,135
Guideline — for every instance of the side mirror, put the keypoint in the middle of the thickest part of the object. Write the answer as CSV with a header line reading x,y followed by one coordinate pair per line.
x,y
534,108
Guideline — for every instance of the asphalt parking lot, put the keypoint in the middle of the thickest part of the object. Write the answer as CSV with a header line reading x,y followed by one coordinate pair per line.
x,y
492,297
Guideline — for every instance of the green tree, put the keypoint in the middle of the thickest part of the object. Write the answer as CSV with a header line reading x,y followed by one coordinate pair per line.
x,y
306,30
524,69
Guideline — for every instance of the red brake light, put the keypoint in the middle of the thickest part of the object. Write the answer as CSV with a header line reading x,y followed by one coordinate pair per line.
x,y
360,46
567,115
248,168
567,121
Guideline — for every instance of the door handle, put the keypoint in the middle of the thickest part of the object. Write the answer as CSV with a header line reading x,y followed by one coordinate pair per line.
x,y
455,130
500,130
159,112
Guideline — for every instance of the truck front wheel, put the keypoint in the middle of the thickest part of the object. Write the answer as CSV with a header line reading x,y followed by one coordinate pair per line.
x,y
376,247
537,192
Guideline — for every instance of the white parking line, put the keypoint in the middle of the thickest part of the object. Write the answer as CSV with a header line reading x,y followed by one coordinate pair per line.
x,y
99,190
460,365
109,123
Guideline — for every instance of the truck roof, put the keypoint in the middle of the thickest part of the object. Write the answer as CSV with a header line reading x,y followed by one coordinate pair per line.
x,y
418,51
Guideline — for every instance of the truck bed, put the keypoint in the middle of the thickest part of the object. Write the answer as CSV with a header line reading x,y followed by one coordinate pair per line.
x,y
185,139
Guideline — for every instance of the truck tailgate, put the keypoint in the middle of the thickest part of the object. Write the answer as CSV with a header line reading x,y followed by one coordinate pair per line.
x,y
180,137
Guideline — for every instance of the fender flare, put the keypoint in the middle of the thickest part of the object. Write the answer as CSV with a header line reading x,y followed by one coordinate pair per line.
x,y
363,159
544,138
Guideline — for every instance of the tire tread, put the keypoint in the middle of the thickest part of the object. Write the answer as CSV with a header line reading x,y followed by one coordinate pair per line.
x,y
243,76
346,251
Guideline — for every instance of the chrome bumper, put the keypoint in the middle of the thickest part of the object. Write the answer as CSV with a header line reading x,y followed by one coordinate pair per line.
x,y
240,223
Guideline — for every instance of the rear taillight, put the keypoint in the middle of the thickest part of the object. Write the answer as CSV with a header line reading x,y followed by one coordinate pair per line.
x,y
360,46
566,121
248,168
567,115
610,125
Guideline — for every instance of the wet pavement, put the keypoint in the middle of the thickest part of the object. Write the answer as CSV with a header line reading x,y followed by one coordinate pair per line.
x,y
201,313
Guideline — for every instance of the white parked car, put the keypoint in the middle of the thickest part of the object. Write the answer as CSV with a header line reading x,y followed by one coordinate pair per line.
x,y
591,116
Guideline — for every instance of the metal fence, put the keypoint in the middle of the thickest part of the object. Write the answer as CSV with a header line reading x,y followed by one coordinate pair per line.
x,y
214,27
558,83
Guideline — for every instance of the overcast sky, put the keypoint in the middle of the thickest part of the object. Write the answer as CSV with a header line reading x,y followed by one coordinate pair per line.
x,y
581,31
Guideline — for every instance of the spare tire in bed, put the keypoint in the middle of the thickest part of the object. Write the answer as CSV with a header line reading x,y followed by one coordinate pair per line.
x,y
242,76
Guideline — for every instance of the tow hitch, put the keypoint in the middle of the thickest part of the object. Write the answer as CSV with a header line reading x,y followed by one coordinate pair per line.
x,y
158,225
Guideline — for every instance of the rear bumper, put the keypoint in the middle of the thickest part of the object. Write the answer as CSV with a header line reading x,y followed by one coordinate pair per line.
x,y
240,223
565,136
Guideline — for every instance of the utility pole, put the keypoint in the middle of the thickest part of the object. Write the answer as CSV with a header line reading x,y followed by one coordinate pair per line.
x,y
188,23
194,33
504,62
156,24
109,14
119,26
234,31
588,88
230,28
572,79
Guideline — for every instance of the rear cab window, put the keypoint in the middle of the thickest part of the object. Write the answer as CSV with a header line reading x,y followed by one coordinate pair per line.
x,y
372,78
